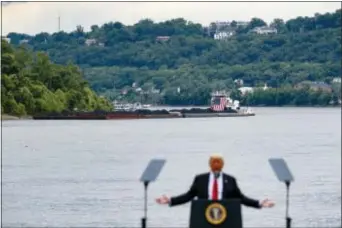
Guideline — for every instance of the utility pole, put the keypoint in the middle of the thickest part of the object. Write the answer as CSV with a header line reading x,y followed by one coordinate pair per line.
x,y
59,23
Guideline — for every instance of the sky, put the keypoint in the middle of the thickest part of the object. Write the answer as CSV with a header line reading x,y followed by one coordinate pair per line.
x,y
35,17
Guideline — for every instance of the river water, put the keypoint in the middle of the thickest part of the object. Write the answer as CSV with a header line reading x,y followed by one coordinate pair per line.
x,y
85,173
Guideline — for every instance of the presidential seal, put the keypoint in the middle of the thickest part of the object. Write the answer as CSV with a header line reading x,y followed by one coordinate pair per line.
x,y
215,214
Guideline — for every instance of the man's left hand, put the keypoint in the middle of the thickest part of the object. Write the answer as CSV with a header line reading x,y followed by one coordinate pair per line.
x,y
267,203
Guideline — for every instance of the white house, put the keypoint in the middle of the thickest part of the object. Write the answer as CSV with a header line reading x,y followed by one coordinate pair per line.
x,y
238,81
245,90
162,38
89,42
242,23
223,35
264,30
25,41
336,80
222,23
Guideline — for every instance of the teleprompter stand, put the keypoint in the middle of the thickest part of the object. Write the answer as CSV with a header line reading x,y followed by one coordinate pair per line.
x,y
150,174
283,174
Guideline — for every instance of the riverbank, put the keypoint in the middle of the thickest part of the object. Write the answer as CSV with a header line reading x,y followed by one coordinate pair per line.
x,y
250,106
294,106
11,117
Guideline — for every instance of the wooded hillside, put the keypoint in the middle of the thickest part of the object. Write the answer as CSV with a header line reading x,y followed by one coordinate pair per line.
x,y
179,62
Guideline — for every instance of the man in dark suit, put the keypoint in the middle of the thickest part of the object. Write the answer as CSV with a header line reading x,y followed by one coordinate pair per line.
x,y
214,185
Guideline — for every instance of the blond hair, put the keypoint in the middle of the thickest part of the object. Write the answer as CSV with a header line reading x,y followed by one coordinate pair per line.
x,y
216,156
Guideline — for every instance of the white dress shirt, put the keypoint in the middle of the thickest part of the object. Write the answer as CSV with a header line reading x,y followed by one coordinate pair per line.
x,y
219,185
211,185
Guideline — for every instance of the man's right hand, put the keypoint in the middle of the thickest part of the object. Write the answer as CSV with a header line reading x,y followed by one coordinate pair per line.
x,y
163,200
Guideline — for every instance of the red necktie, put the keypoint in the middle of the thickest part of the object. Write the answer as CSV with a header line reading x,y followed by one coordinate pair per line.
x,y
215,190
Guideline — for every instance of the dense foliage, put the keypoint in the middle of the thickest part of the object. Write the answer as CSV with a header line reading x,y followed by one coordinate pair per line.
x,y
289,96
190,64
31,84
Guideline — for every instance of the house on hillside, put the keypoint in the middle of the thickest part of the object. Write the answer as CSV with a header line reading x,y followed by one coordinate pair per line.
x,y
162,38
227,24
222,23
24,41
93,42
245,90
242,23
223,35
264,30
336,80
238,82
89,42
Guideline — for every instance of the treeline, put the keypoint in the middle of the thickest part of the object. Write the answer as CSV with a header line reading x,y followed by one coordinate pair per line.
x,y
284,96
31,84
215,77
290,96
190,64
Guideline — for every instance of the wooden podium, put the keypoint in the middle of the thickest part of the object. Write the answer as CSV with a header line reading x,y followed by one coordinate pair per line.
x,y
218,214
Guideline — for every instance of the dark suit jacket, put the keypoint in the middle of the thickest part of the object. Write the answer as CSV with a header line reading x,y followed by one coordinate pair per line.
x,y
199,189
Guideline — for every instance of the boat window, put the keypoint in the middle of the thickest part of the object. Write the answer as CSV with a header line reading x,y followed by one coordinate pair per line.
x,y
217,101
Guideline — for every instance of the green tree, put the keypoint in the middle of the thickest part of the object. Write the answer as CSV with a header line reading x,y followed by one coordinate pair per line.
x,y
32,84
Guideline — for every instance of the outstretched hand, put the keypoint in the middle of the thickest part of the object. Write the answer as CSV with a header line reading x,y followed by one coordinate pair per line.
x,y
163,200
267,203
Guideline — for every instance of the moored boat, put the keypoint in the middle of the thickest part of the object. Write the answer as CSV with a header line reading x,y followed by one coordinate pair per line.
x,y
221,106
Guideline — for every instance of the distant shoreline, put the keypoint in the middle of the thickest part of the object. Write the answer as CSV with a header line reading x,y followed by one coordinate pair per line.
x,y
6,117
258,106
296,106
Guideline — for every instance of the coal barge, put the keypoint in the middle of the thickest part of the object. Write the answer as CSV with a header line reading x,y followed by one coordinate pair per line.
x,y
221,106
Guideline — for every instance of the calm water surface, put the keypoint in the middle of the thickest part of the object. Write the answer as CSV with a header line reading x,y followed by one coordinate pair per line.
x,y
85,173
